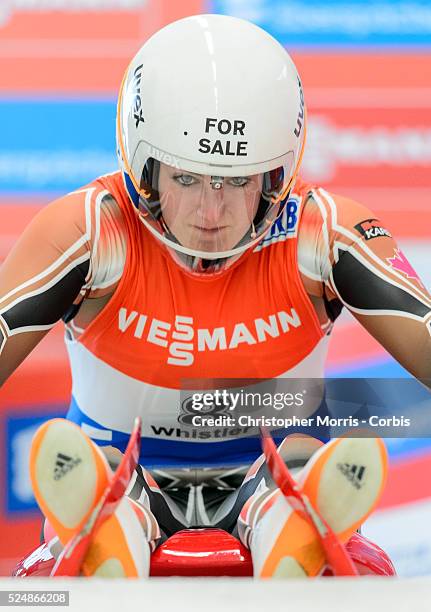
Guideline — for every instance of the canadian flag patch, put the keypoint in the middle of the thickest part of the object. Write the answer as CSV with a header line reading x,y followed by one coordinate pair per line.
x,y
400,262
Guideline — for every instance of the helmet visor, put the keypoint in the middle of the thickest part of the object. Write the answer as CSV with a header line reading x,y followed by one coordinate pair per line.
x,y
209,216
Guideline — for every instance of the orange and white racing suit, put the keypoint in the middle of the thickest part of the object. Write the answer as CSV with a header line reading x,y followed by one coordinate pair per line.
x,y
137,326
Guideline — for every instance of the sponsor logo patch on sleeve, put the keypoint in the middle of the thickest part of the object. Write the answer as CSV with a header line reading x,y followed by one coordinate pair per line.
x,y
371,228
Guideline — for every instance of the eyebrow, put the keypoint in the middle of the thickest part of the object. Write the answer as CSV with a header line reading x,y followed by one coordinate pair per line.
x,y
179,171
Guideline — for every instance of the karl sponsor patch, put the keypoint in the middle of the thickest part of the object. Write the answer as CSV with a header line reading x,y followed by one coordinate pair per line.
x,y
400,262
371,228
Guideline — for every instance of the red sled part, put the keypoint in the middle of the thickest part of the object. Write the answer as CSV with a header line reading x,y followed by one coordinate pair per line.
x,y
214,552
201,552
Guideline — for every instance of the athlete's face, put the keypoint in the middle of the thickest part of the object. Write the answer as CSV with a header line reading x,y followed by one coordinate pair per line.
x,y
204,218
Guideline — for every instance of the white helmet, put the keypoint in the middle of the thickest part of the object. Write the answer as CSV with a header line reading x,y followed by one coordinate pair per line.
x,y
210,135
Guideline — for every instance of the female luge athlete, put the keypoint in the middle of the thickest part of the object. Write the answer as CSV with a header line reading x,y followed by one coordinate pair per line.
x,y
205,257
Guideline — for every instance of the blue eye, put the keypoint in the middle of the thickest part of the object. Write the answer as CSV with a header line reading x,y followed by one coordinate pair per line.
x,y
238,181
185,179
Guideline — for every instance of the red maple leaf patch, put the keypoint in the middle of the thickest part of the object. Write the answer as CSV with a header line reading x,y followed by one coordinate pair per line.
x,y
400,262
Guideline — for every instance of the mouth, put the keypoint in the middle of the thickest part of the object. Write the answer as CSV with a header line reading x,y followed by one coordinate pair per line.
x,y
209,230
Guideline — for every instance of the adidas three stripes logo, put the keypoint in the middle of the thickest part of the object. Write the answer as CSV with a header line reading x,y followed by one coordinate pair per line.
x,y
353,472
63,465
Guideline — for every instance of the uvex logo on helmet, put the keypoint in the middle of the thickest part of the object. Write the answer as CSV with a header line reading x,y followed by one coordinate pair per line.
x,y
137,100
300,118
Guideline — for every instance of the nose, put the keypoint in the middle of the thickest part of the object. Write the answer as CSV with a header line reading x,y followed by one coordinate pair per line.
x,y
211,209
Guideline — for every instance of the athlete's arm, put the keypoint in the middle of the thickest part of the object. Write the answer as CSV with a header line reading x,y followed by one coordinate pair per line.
x,y
362,268
44,277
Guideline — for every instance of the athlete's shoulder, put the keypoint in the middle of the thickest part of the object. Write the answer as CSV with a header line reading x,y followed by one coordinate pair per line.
x,y
84,226
82,213
61,230
342,214
72,215
108,205
330,225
